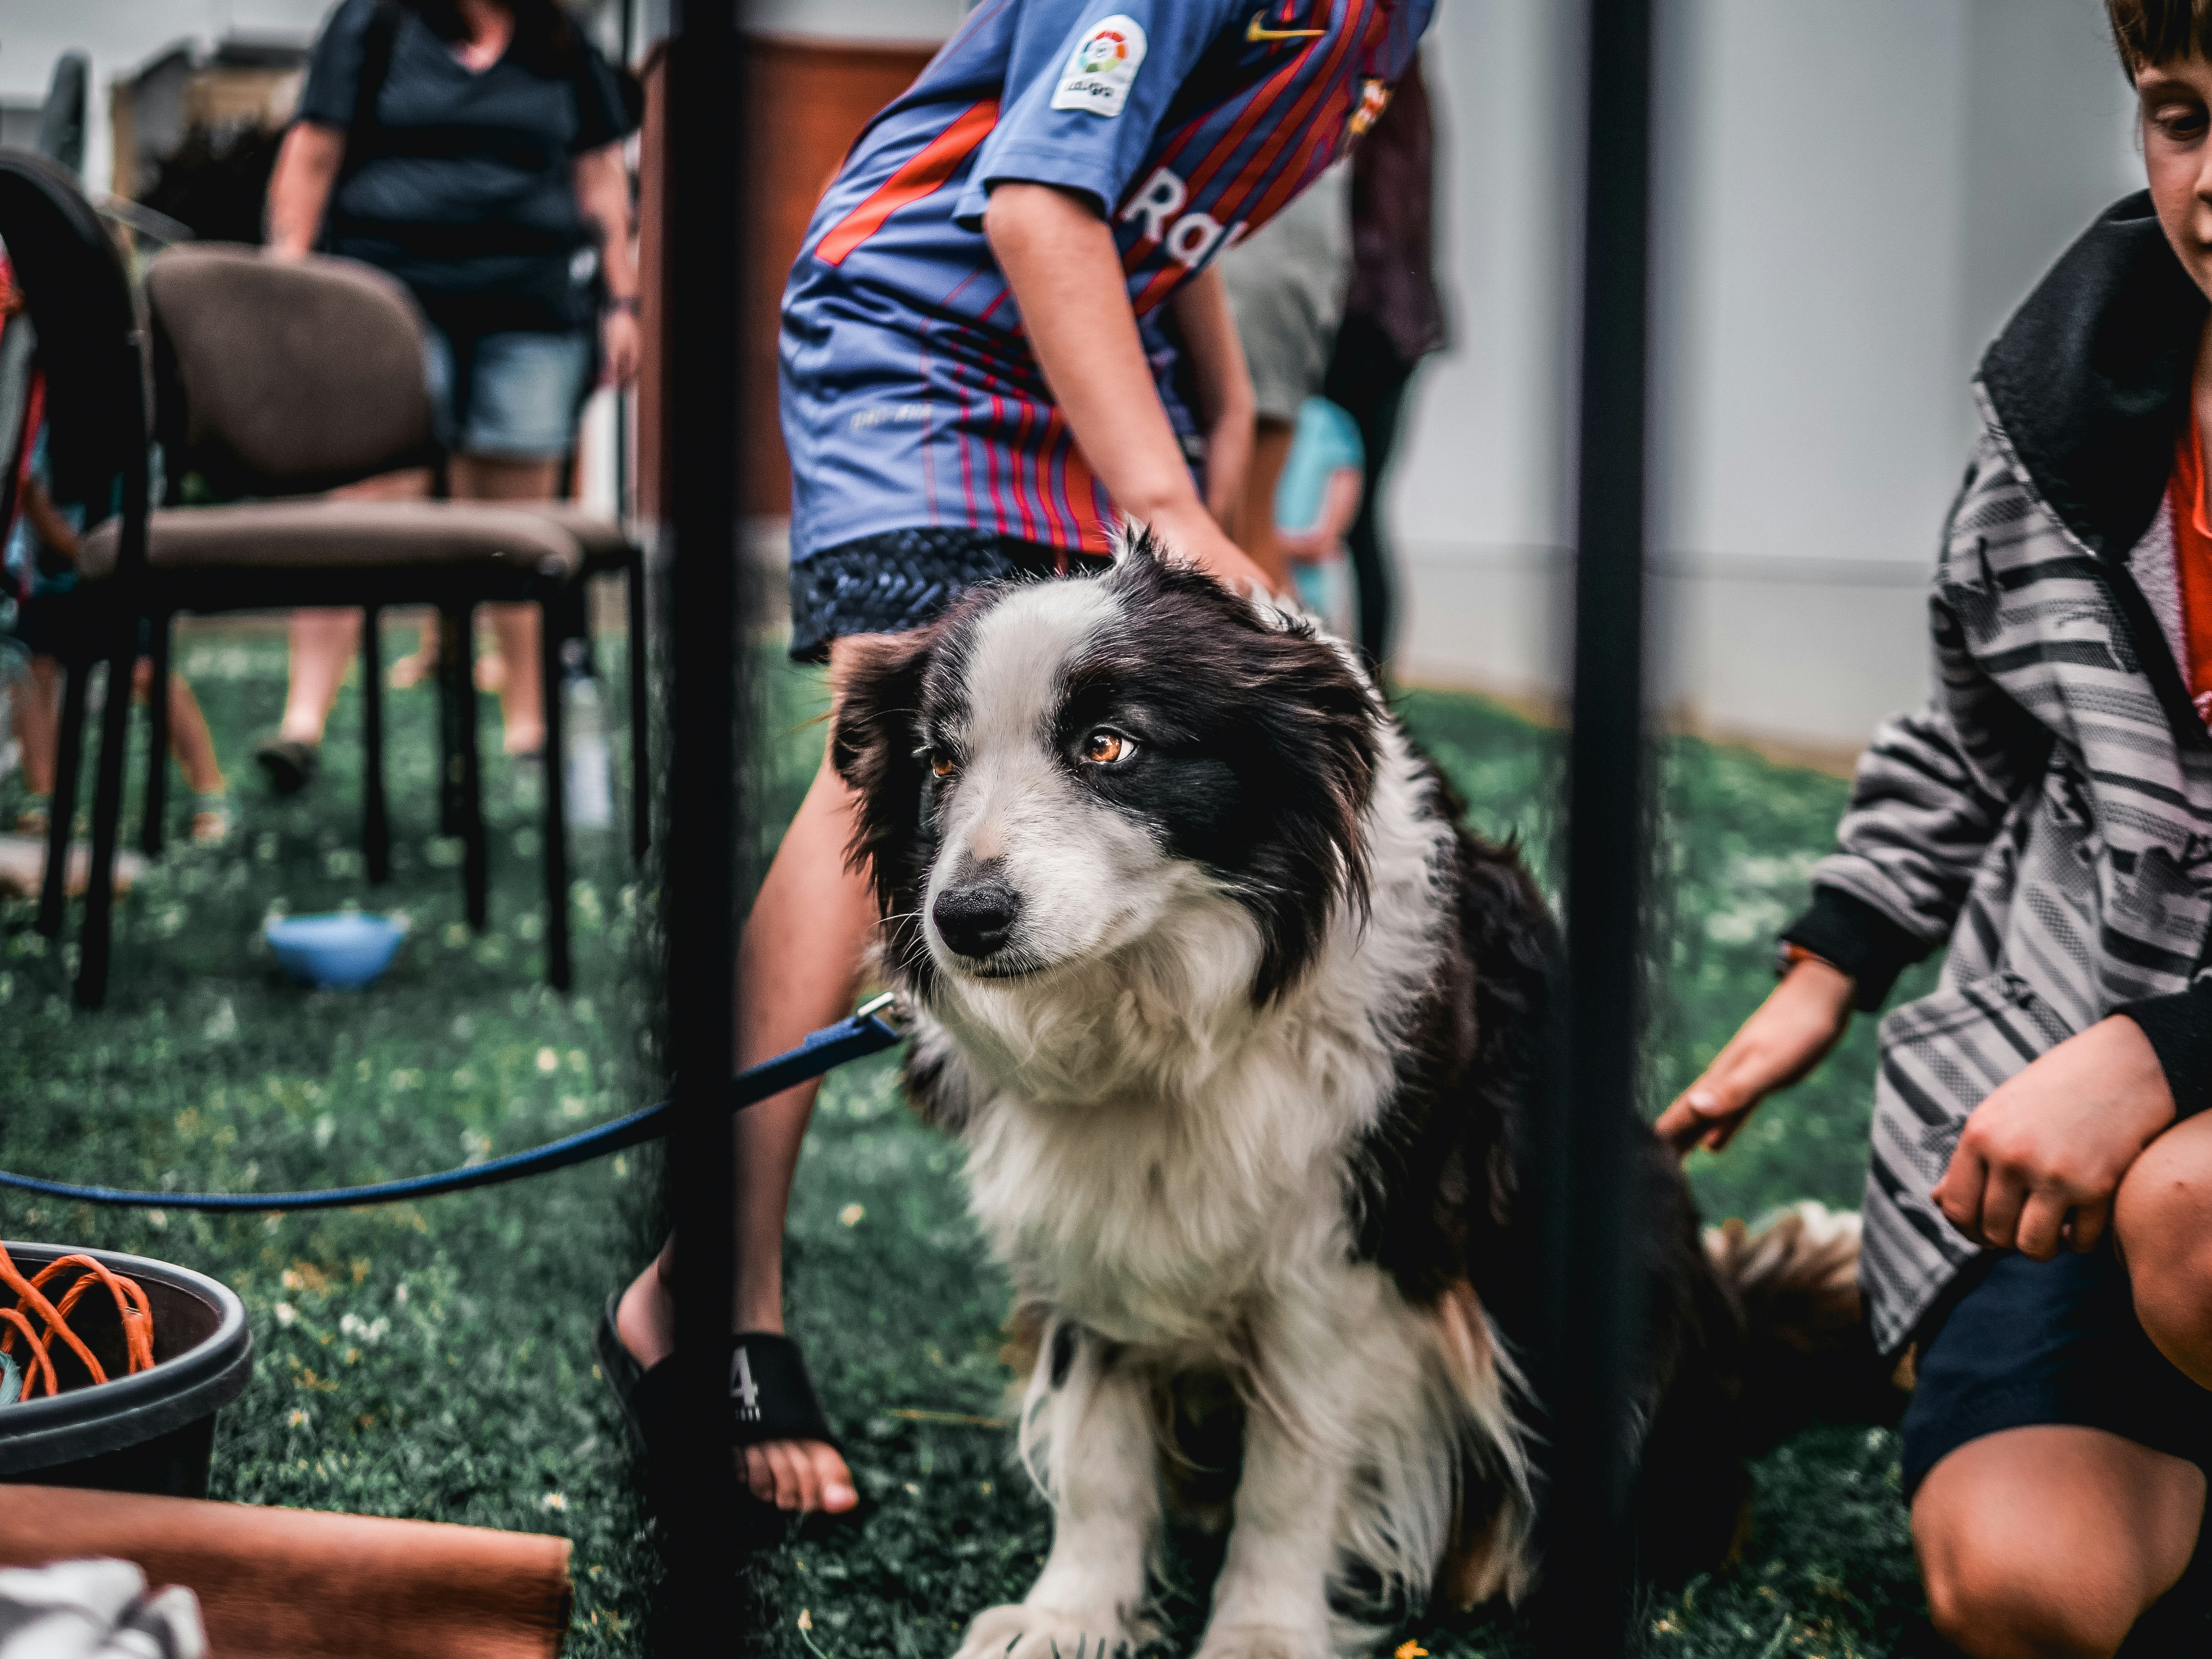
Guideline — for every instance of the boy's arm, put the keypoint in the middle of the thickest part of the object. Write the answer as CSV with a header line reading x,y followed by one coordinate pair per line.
x,y
1059,257
1924,806
1920,817
1924,809
1226,401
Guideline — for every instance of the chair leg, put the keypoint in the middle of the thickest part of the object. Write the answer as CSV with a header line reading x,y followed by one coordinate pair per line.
x,y
551,633
151,831
375,827
68,746
640,714
453,696
475,873
106,821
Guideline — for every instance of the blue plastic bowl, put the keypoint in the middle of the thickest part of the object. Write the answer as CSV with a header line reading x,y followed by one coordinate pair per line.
x,y
340,952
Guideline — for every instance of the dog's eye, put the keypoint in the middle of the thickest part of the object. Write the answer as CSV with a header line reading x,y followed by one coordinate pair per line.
x,y
1104,748
940,763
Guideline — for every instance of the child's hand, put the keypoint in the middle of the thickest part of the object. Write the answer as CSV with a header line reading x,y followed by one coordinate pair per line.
x,y
1798,1023
1196,536
2056,1139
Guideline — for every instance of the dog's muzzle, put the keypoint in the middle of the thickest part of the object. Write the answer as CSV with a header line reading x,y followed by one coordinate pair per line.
x,y
977,919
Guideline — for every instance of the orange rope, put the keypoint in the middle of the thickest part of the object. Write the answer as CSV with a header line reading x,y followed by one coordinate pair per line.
x,y
11,1318
129,1305
131,1308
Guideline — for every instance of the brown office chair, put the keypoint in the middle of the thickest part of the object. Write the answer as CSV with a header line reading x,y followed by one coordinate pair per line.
x,y
279,378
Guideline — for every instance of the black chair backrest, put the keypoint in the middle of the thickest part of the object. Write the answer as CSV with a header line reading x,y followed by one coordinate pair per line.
x,y
79,299
281,377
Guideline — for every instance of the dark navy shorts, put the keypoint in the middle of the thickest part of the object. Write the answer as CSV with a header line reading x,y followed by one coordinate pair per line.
x,y
2053,1341
905,579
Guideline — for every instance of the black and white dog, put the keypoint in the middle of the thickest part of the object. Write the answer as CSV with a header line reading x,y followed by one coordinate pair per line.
x,y
1240,1031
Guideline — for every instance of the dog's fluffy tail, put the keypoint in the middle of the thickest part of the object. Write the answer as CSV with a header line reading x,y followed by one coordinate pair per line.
x,y
1807,1354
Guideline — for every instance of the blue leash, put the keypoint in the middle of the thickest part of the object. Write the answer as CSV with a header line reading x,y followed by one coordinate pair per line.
x,y
866,1032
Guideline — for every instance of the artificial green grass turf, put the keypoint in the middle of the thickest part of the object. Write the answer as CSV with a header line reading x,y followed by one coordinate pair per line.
x,y
427,1360
434,1360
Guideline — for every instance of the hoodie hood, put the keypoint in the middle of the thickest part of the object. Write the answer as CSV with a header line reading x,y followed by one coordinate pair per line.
x,y
2089,381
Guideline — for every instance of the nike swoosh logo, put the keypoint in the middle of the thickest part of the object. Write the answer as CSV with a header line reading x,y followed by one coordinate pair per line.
x,y
1255,33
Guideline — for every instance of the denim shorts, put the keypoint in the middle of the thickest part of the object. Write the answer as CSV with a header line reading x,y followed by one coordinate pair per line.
x,y
2058,1341
511,396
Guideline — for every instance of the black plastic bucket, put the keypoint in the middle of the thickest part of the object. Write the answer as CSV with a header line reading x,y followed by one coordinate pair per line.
x,y
153,1432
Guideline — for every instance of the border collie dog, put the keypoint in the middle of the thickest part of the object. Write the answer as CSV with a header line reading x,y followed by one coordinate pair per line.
x,y
1240,1031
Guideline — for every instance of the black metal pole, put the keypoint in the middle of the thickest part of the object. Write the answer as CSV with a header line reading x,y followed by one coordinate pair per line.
x,y
702,203
1588,1186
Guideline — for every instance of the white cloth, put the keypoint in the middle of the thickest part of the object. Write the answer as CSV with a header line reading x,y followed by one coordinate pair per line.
x,y
95,1609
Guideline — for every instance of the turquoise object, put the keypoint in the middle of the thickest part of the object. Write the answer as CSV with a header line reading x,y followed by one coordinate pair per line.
x,y
342,951
11,1380
1325,440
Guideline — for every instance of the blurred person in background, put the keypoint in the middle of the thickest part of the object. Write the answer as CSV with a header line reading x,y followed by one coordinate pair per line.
x,y
473,149
1392,319
39,540
1286,283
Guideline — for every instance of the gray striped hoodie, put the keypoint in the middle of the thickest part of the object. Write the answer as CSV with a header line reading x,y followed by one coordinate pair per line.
x,y
2049,814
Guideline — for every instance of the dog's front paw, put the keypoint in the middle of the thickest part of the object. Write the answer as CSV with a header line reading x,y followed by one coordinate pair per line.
x,y
1027,1632
1265,1641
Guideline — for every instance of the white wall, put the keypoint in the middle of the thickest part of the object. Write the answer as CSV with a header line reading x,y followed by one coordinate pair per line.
x,y
1851,199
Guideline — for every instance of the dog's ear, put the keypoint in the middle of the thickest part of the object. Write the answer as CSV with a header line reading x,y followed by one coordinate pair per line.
x,y
1293,716
1317,723
873,738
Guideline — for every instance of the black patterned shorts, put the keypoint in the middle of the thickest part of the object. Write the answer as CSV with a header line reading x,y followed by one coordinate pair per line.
x,y
905,579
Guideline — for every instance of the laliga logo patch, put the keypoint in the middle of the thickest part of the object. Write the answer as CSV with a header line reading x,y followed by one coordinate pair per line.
x,y
1101,66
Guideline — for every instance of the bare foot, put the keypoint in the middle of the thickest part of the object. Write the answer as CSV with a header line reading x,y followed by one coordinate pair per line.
x,y
491,671
411,669
792,1475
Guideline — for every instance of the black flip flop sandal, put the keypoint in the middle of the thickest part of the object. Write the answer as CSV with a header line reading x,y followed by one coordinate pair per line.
x,y
290,764
771,1398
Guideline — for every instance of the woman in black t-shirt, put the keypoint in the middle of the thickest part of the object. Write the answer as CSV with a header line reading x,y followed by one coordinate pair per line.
x,y
472,148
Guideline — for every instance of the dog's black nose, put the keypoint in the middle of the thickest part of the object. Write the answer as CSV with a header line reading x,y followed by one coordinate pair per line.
x,y
976,920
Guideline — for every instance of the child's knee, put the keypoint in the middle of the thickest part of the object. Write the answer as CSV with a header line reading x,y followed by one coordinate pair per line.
x,y
2164,1218
1994,1593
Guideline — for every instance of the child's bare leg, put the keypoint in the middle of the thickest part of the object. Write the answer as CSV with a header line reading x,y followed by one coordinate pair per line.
x,y
2163,1218
324,643
191,742
188,731
799,966
38,724
2051,1540
521,695
194,751
418,665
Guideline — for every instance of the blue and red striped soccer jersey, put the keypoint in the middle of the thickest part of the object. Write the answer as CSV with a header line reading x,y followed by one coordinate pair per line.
x,y
910,396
